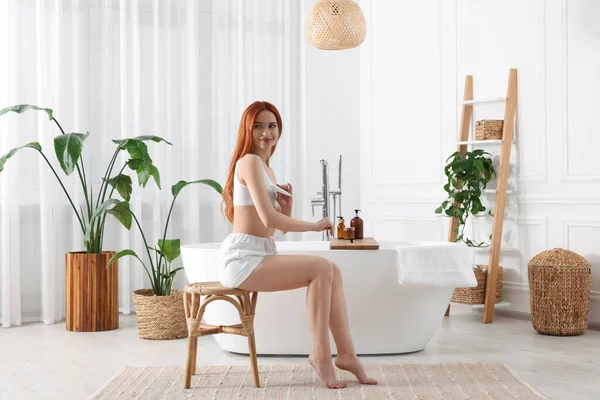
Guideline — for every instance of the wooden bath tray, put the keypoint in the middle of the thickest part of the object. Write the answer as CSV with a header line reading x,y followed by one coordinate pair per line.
x,y
366,243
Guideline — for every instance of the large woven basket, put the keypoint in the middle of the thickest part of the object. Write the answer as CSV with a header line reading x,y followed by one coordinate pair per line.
x,y
488,129
476,295
160,317
559,287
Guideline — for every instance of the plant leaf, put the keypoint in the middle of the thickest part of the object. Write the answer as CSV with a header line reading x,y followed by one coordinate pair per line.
x,y
68,149
121,212
144,170
21,108
121,254
135,163
140,159
155,174
129,252
32,145
170,248
176,188
479,165
100,211
104,207
122,183
136,149
156,139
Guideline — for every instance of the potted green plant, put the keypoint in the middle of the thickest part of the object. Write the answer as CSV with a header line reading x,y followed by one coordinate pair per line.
x,y
91,289
468,175
159,309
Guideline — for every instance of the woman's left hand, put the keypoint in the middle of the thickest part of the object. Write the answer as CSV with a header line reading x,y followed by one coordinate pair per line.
x,y
285,201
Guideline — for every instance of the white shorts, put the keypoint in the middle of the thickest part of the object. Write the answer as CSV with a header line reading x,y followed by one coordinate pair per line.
x,y
240,254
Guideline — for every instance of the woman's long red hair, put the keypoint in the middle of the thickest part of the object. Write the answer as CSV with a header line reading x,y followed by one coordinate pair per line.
x,y
244,145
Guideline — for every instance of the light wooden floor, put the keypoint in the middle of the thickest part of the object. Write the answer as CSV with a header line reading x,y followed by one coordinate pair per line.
x,y
47,362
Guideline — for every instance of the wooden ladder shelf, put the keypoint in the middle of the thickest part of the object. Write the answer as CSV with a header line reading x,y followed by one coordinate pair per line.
x,y
502,177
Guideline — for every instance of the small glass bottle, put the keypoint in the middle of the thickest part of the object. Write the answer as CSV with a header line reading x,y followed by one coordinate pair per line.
x,y
340,228
349,233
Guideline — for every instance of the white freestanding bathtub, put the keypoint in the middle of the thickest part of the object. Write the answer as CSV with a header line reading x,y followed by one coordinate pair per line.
x,y
385,317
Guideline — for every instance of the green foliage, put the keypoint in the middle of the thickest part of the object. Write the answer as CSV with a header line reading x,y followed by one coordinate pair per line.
x,y
159,270
68,148
468,175
32,145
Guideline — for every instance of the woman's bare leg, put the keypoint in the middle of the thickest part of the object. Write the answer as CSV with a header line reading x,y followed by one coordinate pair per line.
x,y
340,330
286,272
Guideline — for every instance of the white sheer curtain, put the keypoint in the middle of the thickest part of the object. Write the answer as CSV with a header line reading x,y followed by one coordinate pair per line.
x,y
183,70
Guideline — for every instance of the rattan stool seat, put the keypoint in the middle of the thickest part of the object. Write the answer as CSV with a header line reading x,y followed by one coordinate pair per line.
x,y
208,288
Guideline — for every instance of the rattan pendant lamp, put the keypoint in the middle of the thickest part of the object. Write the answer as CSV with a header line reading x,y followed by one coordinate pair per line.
x,y
335,25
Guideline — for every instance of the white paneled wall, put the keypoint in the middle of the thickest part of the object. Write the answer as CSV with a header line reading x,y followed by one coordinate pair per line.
x,y
412,69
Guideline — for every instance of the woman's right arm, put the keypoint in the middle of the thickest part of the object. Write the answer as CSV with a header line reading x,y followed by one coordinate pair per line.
x,y
251,169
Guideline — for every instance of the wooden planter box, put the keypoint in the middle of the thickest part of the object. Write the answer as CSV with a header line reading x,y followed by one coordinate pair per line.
x,y
92,292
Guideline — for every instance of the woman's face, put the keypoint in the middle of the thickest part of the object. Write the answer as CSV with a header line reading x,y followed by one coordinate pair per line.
x,y
265,131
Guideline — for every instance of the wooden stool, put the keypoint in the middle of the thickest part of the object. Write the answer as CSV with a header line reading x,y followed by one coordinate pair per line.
x,y
194,310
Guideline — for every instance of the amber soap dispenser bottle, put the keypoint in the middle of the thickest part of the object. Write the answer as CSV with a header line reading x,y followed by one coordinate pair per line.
x,y
357,223
340,227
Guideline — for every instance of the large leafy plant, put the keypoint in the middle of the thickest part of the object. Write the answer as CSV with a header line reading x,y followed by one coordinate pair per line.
x,y
159,270
468,175
68,148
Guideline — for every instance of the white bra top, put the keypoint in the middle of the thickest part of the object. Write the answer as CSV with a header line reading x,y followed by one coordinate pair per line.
x,y
241,194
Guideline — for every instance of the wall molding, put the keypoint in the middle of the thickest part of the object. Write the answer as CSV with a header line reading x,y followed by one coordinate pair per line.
x,y
368,44
567,175
569,223
543,99
541,221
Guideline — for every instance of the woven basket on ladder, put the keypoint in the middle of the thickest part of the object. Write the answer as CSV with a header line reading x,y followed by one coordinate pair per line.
x,y
489,129
476,295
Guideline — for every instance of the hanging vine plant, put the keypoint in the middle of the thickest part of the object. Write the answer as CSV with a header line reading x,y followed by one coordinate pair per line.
x,y
468,175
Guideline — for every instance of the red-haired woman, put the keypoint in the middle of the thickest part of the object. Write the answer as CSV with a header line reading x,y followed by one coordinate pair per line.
x,y
248,257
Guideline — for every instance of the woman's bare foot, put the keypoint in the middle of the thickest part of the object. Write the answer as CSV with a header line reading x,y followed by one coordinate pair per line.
x,y
326,372
350,362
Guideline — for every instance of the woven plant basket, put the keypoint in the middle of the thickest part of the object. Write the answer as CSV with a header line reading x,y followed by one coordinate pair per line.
x,y
488,129
559,287
335,25
476,295
160,317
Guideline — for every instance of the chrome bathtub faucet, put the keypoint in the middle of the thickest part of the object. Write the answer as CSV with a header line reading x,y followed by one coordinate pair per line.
x,y
323,200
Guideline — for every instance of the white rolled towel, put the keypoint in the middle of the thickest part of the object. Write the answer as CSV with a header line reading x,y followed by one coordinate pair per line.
x,y
436,264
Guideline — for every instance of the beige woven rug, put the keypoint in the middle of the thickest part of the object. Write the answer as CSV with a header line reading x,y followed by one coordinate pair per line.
x,y
396,381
